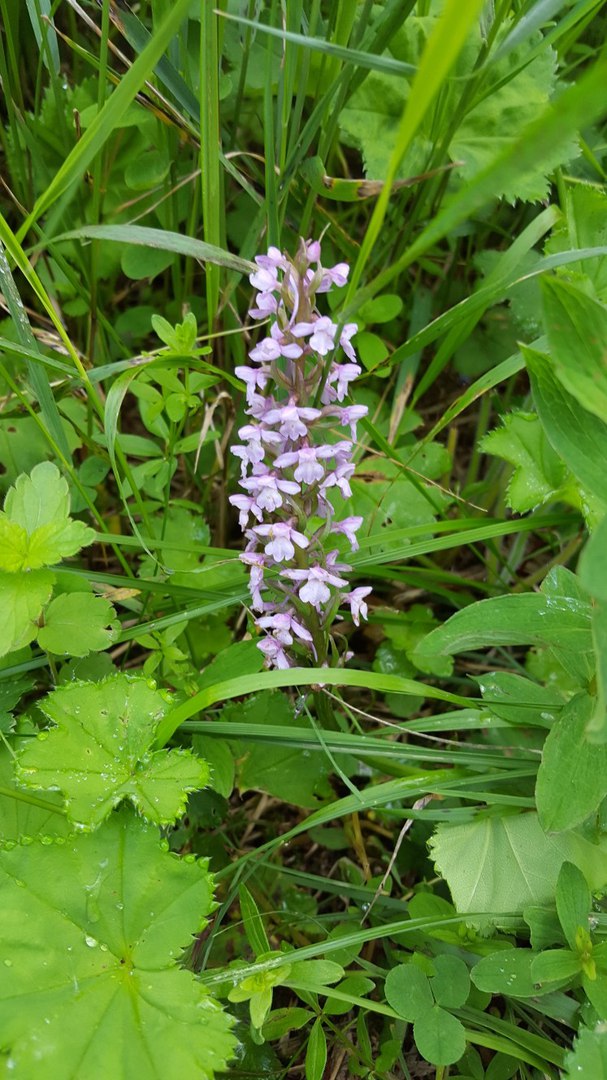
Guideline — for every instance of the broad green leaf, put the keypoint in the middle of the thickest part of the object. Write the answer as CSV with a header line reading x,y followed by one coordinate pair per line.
x,y
316,1052
519,700
35,528
20,817
583,224
281,1021
285,772
23,597
589,1055
559,615
76,624
353,985
577,331
91,932
501,865
592,566
38,499
544,925
312,975
408,991
555,966
538,473
596,992
576,435
506,972
439,1036
451,983
572,778
100,753
573,901
597,725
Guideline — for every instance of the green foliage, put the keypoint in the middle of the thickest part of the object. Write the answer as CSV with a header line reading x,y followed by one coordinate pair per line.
x,y
539,473
516,86
36,531
470,721
94,986
100,753
502,864
439,1036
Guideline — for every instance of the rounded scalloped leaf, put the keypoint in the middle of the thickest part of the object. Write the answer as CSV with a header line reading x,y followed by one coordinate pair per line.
x,y
91,933
100,753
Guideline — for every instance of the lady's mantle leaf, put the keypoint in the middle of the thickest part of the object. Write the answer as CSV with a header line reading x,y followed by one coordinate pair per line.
x,y
100,753
35,527
76,624
90,986
20,819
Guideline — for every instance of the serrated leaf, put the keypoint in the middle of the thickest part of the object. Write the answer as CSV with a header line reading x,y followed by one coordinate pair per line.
x,y
589,1055
572,777
100,753
439,1036
39,498
23,597
516,87
20,819
538,470
35,528
408,991
76,624
91,931
504,864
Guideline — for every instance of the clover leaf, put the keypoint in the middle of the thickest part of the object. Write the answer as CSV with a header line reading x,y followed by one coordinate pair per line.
x,y
100,753
418,998
91,933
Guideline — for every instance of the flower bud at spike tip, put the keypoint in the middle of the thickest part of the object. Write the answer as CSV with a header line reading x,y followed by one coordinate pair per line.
x,y
293,471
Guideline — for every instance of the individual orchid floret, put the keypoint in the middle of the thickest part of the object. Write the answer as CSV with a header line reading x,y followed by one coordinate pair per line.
x,y
349,527
266,490
348,332
247,506
281,538
351,414
291,420
274,652
321,331
356,600
315,588
283,626
337,275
